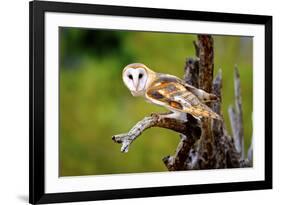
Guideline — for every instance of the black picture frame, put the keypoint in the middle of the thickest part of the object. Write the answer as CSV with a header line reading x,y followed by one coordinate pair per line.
x,y
37,192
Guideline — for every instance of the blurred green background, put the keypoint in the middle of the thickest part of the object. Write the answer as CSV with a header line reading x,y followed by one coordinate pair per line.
x,y
95,104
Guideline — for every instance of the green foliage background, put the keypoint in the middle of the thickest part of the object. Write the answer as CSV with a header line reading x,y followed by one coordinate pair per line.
x,y
95,104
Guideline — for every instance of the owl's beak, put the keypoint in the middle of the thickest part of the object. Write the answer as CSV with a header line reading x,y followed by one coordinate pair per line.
x,y
136,84
134,93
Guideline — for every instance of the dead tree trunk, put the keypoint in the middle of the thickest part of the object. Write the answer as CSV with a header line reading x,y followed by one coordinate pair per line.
x,y
203,144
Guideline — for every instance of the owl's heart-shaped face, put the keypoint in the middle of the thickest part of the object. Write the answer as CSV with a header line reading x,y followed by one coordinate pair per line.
x,y
135,79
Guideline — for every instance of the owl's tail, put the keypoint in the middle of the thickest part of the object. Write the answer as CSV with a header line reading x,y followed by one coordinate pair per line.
x,y
203,111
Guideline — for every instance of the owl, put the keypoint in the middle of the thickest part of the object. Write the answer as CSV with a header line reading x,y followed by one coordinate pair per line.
x,y
168,91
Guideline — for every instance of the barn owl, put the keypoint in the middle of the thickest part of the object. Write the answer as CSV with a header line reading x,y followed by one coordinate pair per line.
x,y
168,91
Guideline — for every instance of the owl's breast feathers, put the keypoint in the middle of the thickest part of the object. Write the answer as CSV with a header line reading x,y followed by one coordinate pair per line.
x,y
170,92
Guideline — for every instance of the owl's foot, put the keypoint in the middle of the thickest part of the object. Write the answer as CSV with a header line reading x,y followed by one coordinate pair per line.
x,y
176,115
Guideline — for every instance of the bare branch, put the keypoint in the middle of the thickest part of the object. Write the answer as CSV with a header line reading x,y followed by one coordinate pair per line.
x,y
196,47
217,85
233,123
206,62
127,138
191,71
217,125
239,113
206,66
155,120
236,116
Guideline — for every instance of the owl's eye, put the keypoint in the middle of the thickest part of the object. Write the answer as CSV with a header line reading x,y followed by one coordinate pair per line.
x,y
130,76
140,75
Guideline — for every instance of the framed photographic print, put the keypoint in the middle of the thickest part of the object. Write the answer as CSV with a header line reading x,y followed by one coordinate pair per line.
x,y
140,102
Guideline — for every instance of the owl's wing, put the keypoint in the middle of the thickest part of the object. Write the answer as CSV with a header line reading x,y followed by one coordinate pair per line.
x,y
201,94
175,96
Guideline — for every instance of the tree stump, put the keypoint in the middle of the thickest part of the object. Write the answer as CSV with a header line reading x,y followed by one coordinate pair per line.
x,y
204,144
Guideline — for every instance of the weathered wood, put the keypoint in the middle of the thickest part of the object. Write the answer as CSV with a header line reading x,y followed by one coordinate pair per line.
x,y
239,112
206,62
155,120
218,126
217,86
205,79
236,116
182,156
191,71
196,48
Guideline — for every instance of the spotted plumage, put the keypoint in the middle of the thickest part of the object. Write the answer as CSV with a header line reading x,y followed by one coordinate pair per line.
x,y
168,91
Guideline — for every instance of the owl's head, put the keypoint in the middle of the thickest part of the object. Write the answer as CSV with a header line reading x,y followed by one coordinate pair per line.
x,y
136,77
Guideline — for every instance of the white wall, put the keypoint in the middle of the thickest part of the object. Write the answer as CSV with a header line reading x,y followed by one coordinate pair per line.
x,y
14,99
